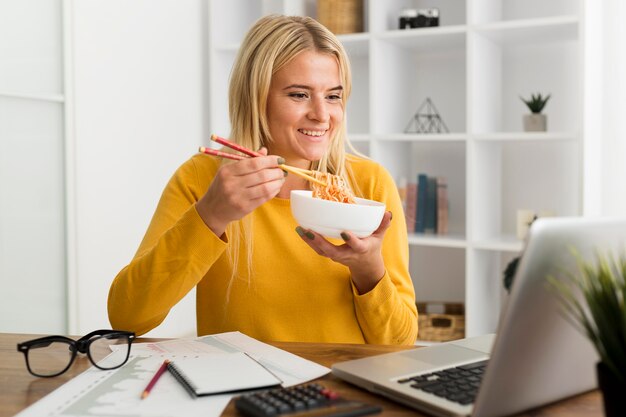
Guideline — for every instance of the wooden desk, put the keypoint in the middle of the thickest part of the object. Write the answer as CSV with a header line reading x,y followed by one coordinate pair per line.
x,y
18,389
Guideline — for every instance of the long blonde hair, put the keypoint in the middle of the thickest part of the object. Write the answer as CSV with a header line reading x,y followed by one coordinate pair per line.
x,y
271,43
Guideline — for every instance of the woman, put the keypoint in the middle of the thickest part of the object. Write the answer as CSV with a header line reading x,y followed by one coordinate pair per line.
x,y
226,228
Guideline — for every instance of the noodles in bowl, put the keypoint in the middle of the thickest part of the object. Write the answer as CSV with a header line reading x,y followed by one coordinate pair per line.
x,y
330,218
336,188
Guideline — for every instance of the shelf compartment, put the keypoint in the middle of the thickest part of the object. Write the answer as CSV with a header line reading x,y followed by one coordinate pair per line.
x,y
438,274
438,75
422,137
358,137
486,294
530,31
507,243
362,147
490,11
385,15
527,137
508,177
358,105
405,160
425,40
494,97
355,44
432,240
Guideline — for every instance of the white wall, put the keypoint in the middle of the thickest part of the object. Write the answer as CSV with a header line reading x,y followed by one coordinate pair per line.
x,y
32,202
604,108
100,101
138,114
614,108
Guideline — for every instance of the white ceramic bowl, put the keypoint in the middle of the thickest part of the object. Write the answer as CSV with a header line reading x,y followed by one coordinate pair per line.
x,y
330,218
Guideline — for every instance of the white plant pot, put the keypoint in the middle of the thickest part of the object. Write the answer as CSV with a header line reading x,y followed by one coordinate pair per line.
x,y
535,122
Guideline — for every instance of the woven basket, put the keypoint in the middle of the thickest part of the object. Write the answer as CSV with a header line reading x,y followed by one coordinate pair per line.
x,y
441,326
341,16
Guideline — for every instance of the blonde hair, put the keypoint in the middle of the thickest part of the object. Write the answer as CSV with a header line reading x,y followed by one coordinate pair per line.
x,y
271,43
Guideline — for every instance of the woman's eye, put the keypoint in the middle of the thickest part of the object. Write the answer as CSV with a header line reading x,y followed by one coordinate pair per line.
x,y
334,97
298,95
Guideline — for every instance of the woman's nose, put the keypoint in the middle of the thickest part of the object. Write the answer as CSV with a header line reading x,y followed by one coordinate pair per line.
x,y
319,110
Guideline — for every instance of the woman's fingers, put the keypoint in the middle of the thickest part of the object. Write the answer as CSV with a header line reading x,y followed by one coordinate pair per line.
x,y
351,241
384,224
352,246
362,256
240,187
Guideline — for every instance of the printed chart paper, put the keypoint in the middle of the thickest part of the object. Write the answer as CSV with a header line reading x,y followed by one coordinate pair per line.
x,y
97,393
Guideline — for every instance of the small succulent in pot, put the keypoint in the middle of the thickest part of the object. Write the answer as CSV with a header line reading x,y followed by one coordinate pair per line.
x,y
535,122
536,103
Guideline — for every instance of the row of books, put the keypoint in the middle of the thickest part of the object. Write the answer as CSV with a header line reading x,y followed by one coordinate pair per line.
x,y
426,205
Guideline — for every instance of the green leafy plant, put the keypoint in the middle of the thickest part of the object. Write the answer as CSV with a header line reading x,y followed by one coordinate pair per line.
x,y
594,300
536,102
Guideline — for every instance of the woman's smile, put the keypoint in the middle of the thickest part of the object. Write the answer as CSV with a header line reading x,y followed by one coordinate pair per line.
x,y
305,107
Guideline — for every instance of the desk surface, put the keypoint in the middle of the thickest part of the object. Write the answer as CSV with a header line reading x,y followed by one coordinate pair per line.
x,y
18,389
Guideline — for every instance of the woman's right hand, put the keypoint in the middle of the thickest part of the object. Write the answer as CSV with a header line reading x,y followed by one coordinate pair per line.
x,y
238,188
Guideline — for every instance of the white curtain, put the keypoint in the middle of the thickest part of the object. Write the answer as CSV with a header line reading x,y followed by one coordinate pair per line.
x,y
605,107
614,106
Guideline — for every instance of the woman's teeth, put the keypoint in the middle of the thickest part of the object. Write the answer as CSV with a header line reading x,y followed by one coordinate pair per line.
x,y
312,132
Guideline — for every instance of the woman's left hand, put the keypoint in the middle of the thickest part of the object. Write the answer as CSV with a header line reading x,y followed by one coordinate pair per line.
x,y
362,255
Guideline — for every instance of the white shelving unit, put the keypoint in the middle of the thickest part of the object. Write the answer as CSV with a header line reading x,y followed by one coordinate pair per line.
x,y
474,66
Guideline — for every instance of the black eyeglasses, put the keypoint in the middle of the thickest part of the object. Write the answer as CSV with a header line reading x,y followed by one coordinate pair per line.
x,y
52,355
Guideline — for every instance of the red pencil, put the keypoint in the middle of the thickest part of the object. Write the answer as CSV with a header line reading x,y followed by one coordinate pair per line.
x,y
155,378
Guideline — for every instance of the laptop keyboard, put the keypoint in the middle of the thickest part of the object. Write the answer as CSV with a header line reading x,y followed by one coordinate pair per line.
x,y
459,384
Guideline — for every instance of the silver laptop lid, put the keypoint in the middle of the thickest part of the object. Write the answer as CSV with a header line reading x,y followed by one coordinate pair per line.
x,y
539,357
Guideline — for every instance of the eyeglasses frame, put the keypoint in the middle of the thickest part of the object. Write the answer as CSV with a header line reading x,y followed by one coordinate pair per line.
x,y
81,345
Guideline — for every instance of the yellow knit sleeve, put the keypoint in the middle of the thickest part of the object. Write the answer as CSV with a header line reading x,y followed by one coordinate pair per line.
x,y
387,314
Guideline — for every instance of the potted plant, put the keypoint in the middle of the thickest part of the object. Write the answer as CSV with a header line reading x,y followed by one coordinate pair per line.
x,y
594,300
535,121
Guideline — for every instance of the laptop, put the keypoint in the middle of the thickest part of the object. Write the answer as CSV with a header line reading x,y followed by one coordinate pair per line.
x,y
536,356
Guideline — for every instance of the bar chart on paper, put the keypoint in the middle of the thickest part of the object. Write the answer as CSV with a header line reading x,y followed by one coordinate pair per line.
x,y
97,393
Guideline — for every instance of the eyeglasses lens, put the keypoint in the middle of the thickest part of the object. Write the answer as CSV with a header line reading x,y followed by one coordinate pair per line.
x,y
101,353
49,359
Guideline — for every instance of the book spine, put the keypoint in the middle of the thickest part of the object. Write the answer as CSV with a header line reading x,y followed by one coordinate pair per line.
x,y
411,206
420,218
430,217
402,191
442,205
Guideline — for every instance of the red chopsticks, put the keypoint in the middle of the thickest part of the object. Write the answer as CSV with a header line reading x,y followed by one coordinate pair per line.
x,y
226,155
297,171
234,146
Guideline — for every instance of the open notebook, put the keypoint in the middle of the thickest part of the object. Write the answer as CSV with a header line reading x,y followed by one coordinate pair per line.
x,y
221,373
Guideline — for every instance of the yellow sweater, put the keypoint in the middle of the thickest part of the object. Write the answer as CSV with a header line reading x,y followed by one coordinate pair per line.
x,y
293,295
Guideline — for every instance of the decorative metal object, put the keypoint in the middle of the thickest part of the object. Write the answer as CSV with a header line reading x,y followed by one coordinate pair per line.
x,y
426,120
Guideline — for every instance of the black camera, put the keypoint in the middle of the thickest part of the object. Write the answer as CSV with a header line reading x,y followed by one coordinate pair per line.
x,y
427,18
419,18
